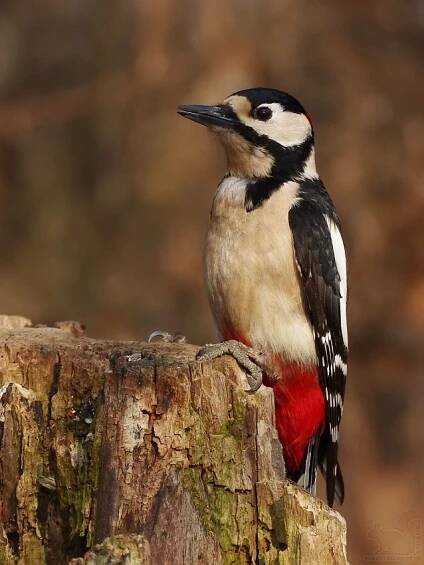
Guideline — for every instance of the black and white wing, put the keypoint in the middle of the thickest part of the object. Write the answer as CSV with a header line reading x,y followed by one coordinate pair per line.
x,y
321,261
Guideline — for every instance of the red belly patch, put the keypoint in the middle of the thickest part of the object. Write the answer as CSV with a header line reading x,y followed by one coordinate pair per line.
x,y
299,411
299,405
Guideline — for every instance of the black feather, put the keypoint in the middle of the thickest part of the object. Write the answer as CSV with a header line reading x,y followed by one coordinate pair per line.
x,y
320,282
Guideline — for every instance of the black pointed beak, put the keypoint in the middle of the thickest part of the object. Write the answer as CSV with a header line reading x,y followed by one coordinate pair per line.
x,y
221,115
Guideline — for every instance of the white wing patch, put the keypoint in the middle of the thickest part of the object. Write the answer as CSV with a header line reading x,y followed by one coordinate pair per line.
x,y
340,257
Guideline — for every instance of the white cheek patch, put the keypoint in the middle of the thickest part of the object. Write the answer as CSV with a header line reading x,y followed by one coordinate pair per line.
x,y
284,127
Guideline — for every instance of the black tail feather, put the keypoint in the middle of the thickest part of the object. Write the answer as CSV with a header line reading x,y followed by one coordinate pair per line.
x,y
332,472
322,453
311,463
340,491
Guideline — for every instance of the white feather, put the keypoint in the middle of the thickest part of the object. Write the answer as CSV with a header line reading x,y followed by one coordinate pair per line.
x,y
340,256
310,170
338,362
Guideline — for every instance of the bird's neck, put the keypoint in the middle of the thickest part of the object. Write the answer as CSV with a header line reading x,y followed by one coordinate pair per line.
x,y
292,163
309,169
265,157
246,160
289,164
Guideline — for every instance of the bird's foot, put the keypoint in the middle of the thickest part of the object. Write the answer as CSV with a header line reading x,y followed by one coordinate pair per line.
x,y
158,335
251,360
168,337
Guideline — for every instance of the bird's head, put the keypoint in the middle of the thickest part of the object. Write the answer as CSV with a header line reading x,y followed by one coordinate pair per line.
x,y
265,132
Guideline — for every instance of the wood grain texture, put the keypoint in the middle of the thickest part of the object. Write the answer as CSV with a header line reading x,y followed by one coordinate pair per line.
x,y
166,461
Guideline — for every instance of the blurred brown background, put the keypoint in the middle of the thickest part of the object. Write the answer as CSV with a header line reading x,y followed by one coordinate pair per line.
x,y
104,192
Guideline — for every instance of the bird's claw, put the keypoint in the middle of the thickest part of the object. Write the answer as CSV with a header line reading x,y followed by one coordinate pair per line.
x,y
159,335
250,360
134,359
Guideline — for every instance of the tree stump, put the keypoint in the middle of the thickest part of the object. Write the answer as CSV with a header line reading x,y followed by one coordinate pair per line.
x,y
170,461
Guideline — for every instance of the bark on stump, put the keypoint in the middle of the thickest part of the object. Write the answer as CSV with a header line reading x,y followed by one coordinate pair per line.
x,y
170,462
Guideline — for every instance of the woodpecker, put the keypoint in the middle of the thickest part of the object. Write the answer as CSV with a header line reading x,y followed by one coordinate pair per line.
x,y
275,268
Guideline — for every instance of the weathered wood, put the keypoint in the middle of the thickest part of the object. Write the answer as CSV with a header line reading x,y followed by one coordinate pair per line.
x,y
169,461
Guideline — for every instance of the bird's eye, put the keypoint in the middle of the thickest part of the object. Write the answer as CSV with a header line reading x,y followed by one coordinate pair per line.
x,y
262,113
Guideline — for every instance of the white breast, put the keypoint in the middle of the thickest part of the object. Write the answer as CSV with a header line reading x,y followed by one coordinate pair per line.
x,y
251,274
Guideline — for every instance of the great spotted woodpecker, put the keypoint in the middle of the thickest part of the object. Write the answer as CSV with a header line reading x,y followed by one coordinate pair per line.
x,y
276,274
